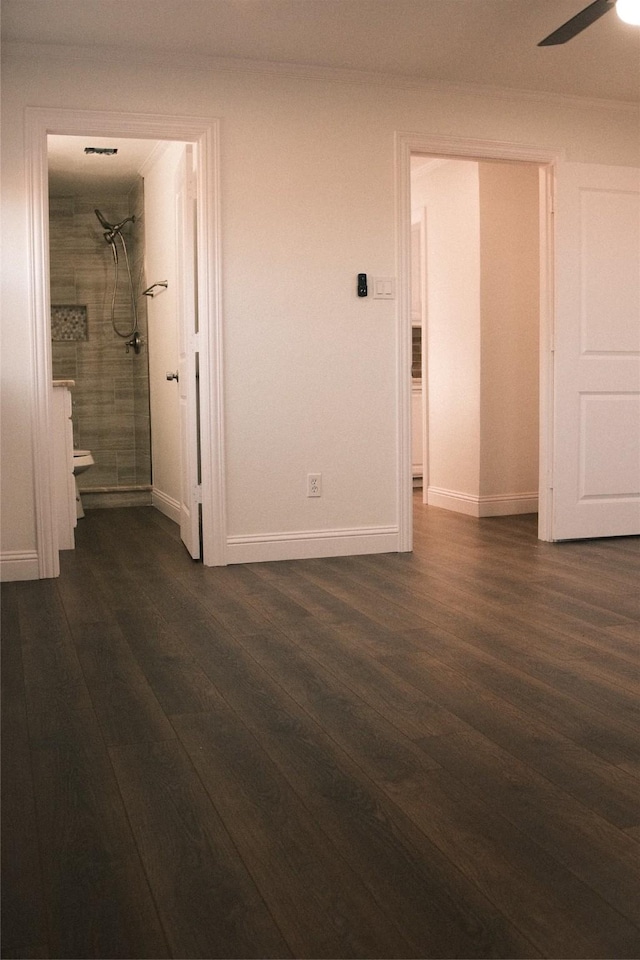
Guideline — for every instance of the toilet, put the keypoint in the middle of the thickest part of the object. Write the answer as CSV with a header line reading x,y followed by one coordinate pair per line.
x,y
82,460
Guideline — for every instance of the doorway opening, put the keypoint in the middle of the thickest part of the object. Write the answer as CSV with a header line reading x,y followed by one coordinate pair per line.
x,y
475,319
131,293
475,265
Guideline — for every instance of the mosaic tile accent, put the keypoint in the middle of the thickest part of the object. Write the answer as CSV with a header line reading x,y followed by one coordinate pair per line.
x,y
69,323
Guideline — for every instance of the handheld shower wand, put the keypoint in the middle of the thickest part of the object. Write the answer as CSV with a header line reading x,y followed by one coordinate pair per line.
x,y
112,231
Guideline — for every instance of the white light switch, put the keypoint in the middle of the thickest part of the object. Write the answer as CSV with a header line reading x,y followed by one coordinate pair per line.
x,y
384,288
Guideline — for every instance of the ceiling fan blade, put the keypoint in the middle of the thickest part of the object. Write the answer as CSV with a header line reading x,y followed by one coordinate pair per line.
x,y
578,23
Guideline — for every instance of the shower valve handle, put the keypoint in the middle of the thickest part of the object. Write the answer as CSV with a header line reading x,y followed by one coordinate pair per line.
x,y
135,342
173,376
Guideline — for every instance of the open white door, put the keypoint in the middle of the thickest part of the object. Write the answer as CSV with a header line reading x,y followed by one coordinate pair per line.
x,y
596,442
190,496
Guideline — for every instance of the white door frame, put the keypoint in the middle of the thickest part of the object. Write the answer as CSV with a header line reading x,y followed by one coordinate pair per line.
x,y
454,148
41,121
424,356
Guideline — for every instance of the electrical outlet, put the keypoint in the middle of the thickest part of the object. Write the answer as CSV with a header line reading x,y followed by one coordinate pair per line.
x,y
314,484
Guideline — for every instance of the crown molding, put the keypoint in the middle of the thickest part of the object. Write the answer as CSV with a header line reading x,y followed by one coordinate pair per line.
x,y
301,71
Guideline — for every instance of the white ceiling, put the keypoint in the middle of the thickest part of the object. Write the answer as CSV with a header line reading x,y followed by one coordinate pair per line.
x,y
489,42
73,173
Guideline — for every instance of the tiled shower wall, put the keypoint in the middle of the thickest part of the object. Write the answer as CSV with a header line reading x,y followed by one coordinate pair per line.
x,y
111,396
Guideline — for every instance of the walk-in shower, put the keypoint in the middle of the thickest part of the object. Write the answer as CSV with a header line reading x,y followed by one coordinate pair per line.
x,y
111,393
113,232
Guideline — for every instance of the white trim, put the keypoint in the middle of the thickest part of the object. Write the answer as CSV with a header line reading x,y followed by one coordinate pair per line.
x,y
462,148
307,544
166,504
456,148
424,356
211,349
204,132
19,565
41,387
404,346
302,71
504,505
546,348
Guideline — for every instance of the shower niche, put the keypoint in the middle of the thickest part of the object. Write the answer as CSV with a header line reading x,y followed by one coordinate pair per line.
x,y
111,393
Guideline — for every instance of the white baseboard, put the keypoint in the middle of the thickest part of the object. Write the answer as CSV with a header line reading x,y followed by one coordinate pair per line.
x,y
19,565
504,505
509,505
166,504
307,544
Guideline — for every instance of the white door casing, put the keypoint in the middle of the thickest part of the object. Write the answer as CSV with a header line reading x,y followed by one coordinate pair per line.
x,y
596,431
187,322
204,133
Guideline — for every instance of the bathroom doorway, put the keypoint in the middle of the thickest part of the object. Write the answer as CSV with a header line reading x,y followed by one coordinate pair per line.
x,y
97,274
122,256
172,133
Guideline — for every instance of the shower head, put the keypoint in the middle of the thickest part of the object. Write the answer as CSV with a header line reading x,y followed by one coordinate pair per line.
x,y
112,228
102,220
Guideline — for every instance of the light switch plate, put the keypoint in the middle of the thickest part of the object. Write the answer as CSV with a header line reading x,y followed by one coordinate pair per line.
x,y
384,288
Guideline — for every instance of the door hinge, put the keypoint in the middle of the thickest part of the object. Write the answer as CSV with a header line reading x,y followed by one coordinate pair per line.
x,y
197,493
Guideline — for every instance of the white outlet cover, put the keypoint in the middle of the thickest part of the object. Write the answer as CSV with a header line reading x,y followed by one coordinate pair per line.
x,y
314,484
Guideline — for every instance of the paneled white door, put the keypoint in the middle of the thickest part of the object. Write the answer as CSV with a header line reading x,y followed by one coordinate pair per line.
x,y
190,497
596,440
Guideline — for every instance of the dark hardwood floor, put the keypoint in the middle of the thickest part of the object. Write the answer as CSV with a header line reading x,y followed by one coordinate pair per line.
x,y
425,755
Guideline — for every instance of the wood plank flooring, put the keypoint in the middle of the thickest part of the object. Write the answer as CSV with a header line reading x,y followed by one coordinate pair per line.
x,y
424,755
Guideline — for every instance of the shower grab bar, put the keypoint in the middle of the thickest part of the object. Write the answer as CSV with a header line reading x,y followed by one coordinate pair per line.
x,y
149,292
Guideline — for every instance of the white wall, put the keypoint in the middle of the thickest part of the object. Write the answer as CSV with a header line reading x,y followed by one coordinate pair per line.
x,y
450,194
307,197
160,265
509,297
